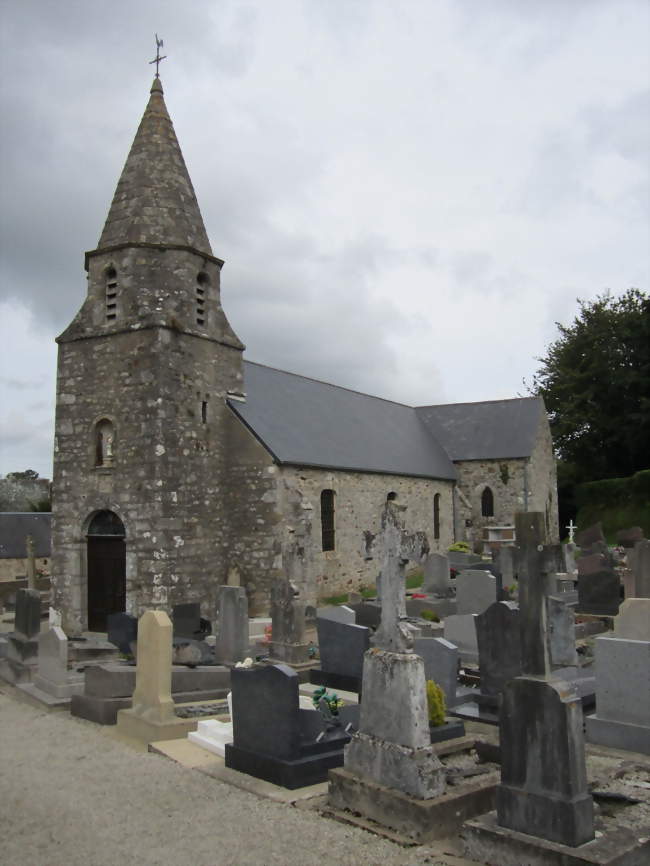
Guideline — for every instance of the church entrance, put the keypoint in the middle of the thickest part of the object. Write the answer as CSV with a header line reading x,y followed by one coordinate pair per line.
x,y
106,568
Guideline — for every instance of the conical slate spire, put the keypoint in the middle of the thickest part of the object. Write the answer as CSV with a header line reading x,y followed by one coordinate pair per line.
x,y
154,201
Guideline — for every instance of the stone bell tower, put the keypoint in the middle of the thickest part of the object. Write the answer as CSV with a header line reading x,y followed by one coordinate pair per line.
x,y
143,372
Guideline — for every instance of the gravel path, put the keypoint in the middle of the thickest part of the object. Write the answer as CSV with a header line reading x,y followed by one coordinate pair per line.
x,y
71,795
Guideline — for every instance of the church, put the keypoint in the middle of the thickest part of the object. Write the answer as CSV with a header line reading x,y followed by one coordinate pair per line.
x,y
179,466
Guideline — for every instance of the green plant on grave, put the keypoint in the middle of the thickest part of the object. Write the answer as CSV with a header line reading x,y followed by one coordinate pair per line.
x,y
333,700
436,704
429,615
460,547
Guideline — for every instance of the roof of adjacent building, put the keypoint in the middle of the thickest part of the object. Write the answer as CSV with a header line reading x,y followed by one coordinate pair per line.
x,y
485,431
15,526
155,201
305,422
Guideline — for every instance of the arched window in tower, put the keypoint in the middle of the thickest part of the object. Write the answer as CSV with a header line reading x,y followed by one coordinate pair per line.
x,y
110,275
202,285
436,516
487,503
327,519
104,443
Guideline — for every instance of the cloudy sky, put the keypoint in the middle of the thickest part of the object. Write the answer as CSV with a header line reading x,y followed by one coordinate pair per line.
x,y
408,195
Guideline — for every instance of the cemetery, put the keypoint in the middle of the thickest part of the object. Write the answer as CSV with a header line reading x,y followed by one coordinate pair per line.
x,y
515,729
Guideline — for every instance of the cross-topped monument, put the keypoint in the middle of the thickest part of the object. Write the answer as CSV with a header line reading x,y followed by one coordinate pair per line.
x,y
158,58
572,529
396,548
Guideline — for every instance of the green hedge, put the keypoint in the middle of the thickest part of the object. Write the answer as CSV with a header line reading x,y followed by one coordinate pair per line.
x,y
617,502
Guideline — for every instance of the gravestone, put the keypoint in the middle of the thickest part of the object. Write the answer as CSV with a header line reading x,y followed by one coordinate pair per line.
x,y
275,740
393,748
440,659
475,591
640,567
152,716
288,625
622,717
543,790
367,613
570,566
459,559
232,642
499,646
505,565
461,631
19,659
436,579
337,613
187,620
591,538
561,632
123,632
54,683
599,587
341,647
629,537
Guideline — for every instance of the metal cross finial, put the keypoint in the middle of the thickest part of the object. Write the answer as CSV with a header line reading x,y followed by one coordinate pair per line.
x,y
158,58
571,529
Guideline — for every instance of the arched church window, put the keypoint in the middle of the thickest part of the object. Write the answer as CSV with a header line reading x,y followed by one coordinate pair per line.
x,y
104,443
436,516
110,275
327,519
202,284
487,503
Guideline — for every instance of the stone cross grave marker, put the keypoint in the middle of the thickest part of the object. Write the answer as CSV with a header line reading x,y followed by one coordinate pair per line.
x,y
287,624
397,548
572,530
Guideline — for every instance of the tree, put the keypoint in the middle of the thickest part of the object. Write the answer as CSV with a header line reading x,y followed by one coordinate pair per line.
x,y
595,381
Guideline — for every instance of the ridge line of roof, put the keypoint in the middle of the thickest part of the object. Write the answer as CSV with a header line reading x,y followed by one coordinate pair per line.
x,y
475,402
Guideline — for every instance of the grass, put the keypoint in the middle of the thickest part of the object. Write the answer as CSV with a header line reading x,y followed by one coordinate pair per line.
x,y
413,581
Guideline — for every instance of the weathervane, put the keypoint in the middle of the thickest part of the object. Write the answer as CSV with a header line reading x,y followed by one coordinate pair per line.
x,y
158,58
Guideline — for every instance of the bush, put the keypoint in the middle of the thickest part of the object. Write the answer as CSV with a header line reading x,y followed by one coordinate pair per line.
x,y
460,547
436,704
429,615
617,502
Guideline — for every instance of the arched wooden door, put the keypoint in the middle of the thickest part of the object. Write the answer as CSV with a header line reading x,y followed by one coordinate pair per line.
x,y
106,568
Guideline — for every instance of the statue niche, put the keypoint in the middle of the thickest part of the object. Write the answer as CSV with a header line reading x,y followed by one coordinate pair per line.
x,y
104,443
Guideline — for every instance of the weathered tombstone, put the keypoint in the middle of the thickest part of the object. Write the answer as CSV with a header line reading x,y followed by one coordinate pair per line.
x,y
499,646
436,580
273,738
393,749
622,717
561,631
570,566
543,790
288,625
337,613
599,587
123,631
232,643
640,567
367,613
27,618
54,683
440,659
629,537
341,647
460,560
461,631
31,562
475,591
590,538
187,619
152,716
505,564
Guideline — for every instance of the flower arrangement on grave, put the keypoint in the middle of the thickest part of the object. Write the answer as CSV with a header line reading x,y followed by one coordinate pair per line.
x,y
436,704
429,615
333,700
268,635
459,547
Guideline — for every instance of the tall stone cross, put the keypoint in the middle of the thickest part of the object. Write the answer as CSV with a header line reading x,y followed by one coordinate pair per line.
x,y
396,548
158,58
533,586
572,528
31,562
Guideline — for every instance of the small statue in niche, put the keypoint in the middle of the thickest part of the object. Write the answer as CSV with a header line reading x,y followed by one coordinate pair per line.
x,y
104,440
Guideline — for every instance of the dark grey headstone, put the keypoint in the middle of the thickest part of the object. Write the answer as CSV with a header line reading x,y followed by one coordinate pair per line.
x,y
27,622
543,790
368,613
591,536
265,710
628,537
186,619
459,560
122,631
599,587
499,646
341,646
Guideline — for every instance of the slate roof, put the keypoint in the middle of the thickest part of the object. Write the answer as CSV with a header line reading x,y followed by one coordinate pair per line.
x,y
485,431
16,525
305,422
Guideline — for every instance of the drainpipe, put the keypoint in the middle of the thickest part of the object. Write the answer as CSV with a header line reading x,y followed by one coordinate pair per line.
x,y
526,486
